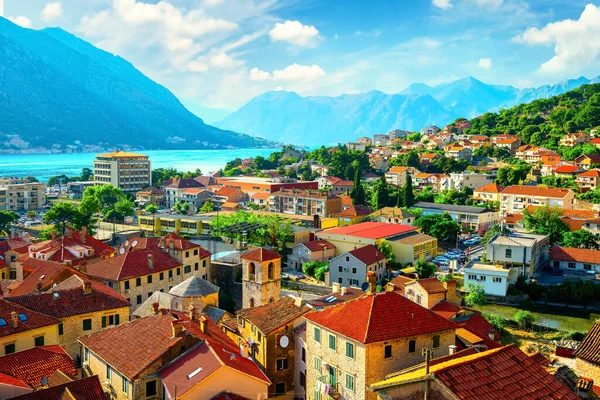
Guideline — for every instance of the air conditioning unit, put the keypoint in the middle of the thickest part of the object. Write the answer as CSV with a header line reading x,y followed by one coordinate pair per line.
x,y
127,291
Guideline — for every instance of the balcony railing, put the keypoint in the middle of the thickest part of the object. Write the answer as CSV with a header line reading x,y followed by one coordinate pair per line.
x,y
333,389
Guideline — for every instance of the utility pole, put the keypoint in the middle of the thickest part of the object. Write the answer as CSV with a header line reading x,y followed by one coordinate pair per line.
x,y
428,354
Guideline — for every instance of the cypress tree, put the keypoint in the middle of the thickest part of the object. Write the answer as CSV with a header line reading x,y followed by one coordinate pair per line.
x,y
409,196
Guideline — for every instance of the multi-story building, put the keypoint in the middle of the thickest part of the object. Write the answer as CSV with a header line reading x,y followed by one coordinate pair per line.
x,y
430,130
304,202
356,146
472,180
161,224
514,199
526,252
174,191
261,278
397,175
423,180
488,193
495,278
533,154
589,179
365,140
129,172
18,195
315,250
586,161
353,215
393,215
477,219
574,259
459,152
511,144
359,342
151,195
381,139
334,184
350,269
251,184
573,139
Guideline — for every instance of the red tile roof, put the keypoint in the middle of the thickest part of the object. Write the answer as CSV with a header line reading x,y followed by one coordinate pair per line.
x,y
318,245
261,255
431,285
216,350
184,183
400,283
354,211
592,173
44,274
17,245
33,319
372,230
132,264
368,254
350,293
59,248
560,253
588,348
446,309
540,191
82,389
271,316
477,324
229,396
132,347
503,373
68,298
566,169
490,188
30,366
375,318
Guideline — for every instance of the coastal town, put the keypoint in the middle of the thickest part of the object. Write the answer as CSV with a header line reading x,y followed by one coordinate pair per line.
x,y
441,264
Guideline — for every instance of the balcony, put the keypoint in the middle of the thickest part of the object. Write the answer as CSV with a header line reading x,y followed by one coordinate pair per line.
x,y
334,392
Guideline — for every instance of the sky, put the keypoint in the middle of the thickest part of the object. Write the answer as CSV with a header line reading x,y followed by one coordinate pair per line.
x,y
216,55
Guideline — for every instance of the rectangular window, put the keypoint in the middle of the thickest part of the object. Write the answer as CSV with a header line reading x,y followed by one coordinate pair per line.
x,y
87,324
412,346
332,342
587,267
151,388
340,280
9,348
347,259
187,253
138,282
387,350
178,271
572,265
350,382
126,285
340,268
61,329
149,278
124,385
303,355
354,270
187,269
282,364
161,276
138,299
317,335
497,279
86,354
195,252
318,364
349,349
302,380
196,267
108,372
436,341
170,273
508,253
203,263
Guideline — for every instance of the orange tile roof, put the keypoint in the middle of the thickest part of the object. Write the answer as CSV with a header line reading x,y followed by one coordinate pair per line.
x,y
271,316
354,211
318,245
80,389
398,169
368,254
380,317
540,191
560,253
400,283
446,309
566,169
490,188
29,366
261,255
260,195
592,173
588,348
132,264
42,276
431,285
27,319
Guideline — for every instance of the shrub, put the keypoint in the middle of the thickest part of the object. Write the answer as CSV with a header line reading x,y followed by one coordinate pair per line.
x,y
497,321
576,336
524,319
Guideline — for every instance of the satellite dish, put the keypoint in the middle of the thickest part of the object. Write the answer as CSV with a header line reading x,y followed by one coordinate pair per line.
x,y
284,341
121,250
126,244
134,243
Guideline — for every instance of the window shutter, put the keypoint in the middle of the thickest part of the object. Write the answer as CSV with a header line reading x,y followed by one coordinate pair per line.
x,y
104,321
117,319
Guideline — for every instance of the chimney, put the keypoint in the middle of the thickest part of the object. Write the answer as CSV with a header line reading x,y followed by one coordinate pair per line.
x,y
82,234
53,235
14,319
244,350
87,287
69,233
171,244
203,324
176,328
192,312
150,261
154,308
83,266
343,291
451,349
372,280
161,243
298,302
335,287
389,287
38,287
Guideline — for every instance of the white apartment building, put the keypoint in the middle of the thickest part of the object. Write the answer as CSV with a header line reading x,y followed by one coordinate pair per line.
x,y
129,172
514,199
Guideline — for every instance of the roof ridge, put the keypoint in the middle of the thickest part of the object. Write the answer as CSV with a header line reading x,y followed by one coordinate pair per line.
x,y
370,316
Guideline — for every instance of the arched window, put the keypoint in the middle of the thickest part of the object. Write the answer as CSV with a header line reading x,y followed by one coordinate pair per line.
x,y
271,300
271,270
251,302
251,271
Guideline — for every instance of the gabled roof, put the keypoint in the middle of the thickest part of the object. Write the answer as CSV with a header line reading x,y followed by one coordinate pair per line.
x,y
588,349
194,287
594,158
30,366
540,191
430,285
367,254
380,317
130,348
271,316
68,298
261,255
566,169
27,319
354,211
215,351
350,293
592,173
59,247
560,253
502,373
82,389
490,188
446,309
318,245
184,184
372,230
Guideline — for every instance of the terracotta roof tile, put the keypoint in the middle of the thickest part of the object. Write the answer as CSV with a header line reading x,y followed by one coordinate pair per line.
x,y
132,264
354,211
272,316
539,191
350,293
446,309
261,255
372,230
560,253
27,319
368,254
184,183
400,283
588,348
229,396
375,318
318,245
30,366
489,188
82,389
566,169
431,285
592,173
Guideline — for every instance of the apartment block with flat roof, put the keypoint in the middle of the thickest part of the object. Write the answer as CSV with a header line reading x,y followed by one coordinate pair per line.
x,y
129,172
17,195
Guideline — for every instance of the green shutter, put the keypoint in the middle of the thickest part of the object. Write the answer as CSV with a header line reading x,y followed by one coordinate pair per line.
x,y
61,330
117,318
104,321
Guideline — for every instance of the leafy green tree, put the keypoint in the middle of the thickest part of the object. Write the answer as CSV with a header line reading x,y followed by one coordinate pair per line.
x,y
414,137
321,271
497,321
447,231
493,231
31,179
426,195
476,295
31,214
385,248
61,214
546,221
407,192
86,174
124,207
381,194
7,219
358,191
208,206
513,175
152,208
524,319
316,269
581,238
181,207
425,269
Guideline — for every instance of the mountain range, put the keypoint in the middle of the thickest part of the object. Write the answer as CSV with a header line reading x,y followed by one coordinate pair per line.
x,y
60,93
288,117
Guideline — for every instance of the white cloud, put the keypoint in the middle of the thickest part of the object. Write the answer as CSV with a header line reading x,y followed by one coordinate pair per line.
x,y
485,63
213,3
52,11
21,20
220,59
294,72
489,4
443,4
296,33
197,66
576,42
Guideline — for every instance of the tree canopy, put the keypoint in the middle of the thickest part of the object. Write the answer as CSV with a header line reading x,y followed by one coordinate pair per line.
x,y
546,221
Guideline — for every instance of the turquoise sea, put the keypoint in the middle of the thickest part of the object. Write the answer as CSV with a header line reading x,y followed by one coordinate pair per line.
x,y
43,166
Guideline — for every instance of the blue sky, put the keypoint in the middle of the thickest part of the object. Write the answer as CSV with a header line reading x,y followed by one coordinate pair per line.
x,y
218,54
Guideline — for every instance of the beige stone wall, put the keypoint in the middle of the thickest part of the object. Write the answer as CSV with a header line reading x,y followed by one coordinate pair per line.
x,y
427,300
258,288
230,380
73,327
26,340
587,369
